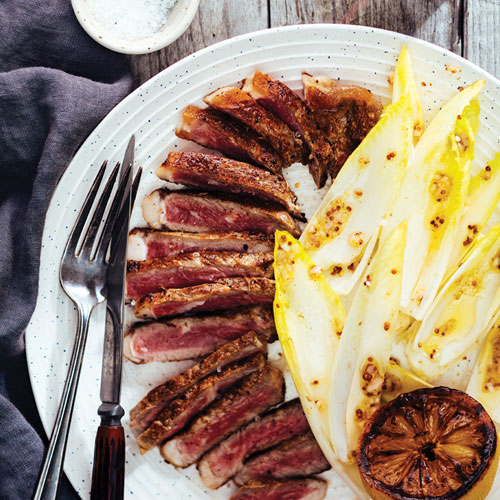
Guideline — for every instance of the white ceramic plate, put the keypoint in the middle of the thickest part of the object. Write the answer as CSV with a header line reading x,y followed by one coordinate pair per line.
x,y
354,54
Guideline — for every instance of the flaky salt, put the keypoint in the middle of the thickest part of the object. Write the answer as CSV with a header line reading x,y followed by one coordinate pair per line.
x,y
131,19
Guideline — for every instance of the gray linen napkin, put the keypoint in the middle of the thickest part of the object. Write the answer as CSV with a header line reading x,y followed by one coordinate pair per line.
x,y
56,84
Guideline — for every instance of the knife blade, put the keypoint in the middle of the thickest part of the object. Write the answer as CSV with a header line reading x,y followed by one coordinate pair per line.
x,y
113,338
108,472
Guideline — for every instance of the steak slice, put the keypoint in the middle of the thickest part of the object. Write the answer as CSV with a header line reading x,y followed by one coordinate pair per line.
x,y
240,405
287,105
193,269
294,489
191,337
200,212
243,107
225,460
300,456
216,130
158,398
227,293
146,244
221,174
345,114
186,405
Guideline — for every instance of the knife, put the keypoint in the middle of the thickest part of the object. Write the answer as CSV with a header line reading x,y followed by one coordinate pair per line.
x,y
108,472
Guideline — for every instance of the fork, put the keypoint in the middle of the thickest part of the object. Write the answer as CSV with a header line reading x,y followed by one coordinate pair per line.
x,y
83,277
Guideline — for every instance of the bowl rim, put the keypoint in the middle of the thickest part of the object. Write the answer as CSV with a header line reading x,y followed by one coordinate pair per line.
x,y
146,45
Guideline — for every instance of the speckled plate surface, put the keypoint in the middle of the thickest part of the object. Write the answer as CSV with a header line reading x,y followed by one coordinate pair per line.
x,y
353,54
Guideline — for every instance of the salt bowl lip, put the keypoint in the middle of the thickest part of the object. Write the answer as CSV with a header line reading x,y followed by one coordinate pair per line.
x,y
178,21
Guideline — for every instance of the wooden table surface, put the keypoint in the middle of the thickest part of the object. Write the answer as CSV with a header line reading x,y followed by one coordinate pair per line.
x,y
470,28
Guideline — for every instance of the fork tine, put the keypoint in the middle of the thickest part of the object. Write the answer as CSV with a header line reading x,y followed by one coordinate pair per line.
x,y
85,210
88,241
120,196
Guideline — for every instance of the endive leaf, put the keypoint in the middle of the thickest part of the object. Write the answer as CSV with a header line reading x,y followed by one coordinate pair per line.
x,y
483,197
437,200
466,128
404,84
399,381
309,319
431,200
484,384
339,237
365,345
444,121
461,314
404,323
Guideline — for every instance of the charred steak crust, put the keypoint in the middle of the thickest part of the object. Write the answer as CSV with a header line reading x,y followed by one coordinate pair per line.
x,y
202,212
285,103
218,131
293,489
240,405
194,268
222,174
157,399
243,107
345,114
153,244
226,459
191,337
222,294
188,404
296,457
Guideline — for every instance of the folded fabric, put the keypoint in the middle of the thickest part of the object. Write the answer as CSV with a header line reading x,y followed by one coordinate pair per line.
x,y
56,84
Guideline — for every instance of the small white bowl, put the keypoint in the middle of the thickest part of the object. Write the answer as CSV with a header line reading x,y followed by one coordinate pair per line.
x,y
178,21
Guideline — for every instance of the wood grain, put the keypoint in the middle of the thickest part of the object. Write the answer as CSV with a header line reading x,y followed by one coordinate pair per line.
x,y
215,20
436,21
482,34
468,27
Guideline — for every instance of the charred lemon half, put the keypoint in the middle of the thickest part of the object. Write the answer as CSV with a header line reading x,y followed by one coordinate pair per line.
x,y
429,444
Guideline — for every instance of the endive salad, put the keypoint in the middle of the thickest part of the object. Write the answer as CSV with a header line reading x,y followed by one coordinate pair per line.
x,y
342,233
396,278
309,319
482,198
432,198
462,313
365,345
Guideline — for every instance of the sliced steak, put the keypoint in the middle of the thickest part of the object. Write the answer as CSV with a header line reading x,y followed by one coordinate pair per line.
x,y
227,293
243,107
225,460
216,130
300,456
200,212
191,337
287,105
194,268
345,114
146,244
186,405
294,489
240,405
158,398
221,174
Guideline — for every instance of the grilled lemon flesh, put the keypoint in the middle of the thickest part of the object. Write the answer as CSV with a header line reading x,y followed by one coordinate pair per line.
x,y
429,443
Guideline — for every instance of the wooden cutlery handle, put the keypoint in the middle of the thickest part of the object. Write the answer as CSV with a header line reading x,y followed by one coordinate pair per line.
x,y
108,474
